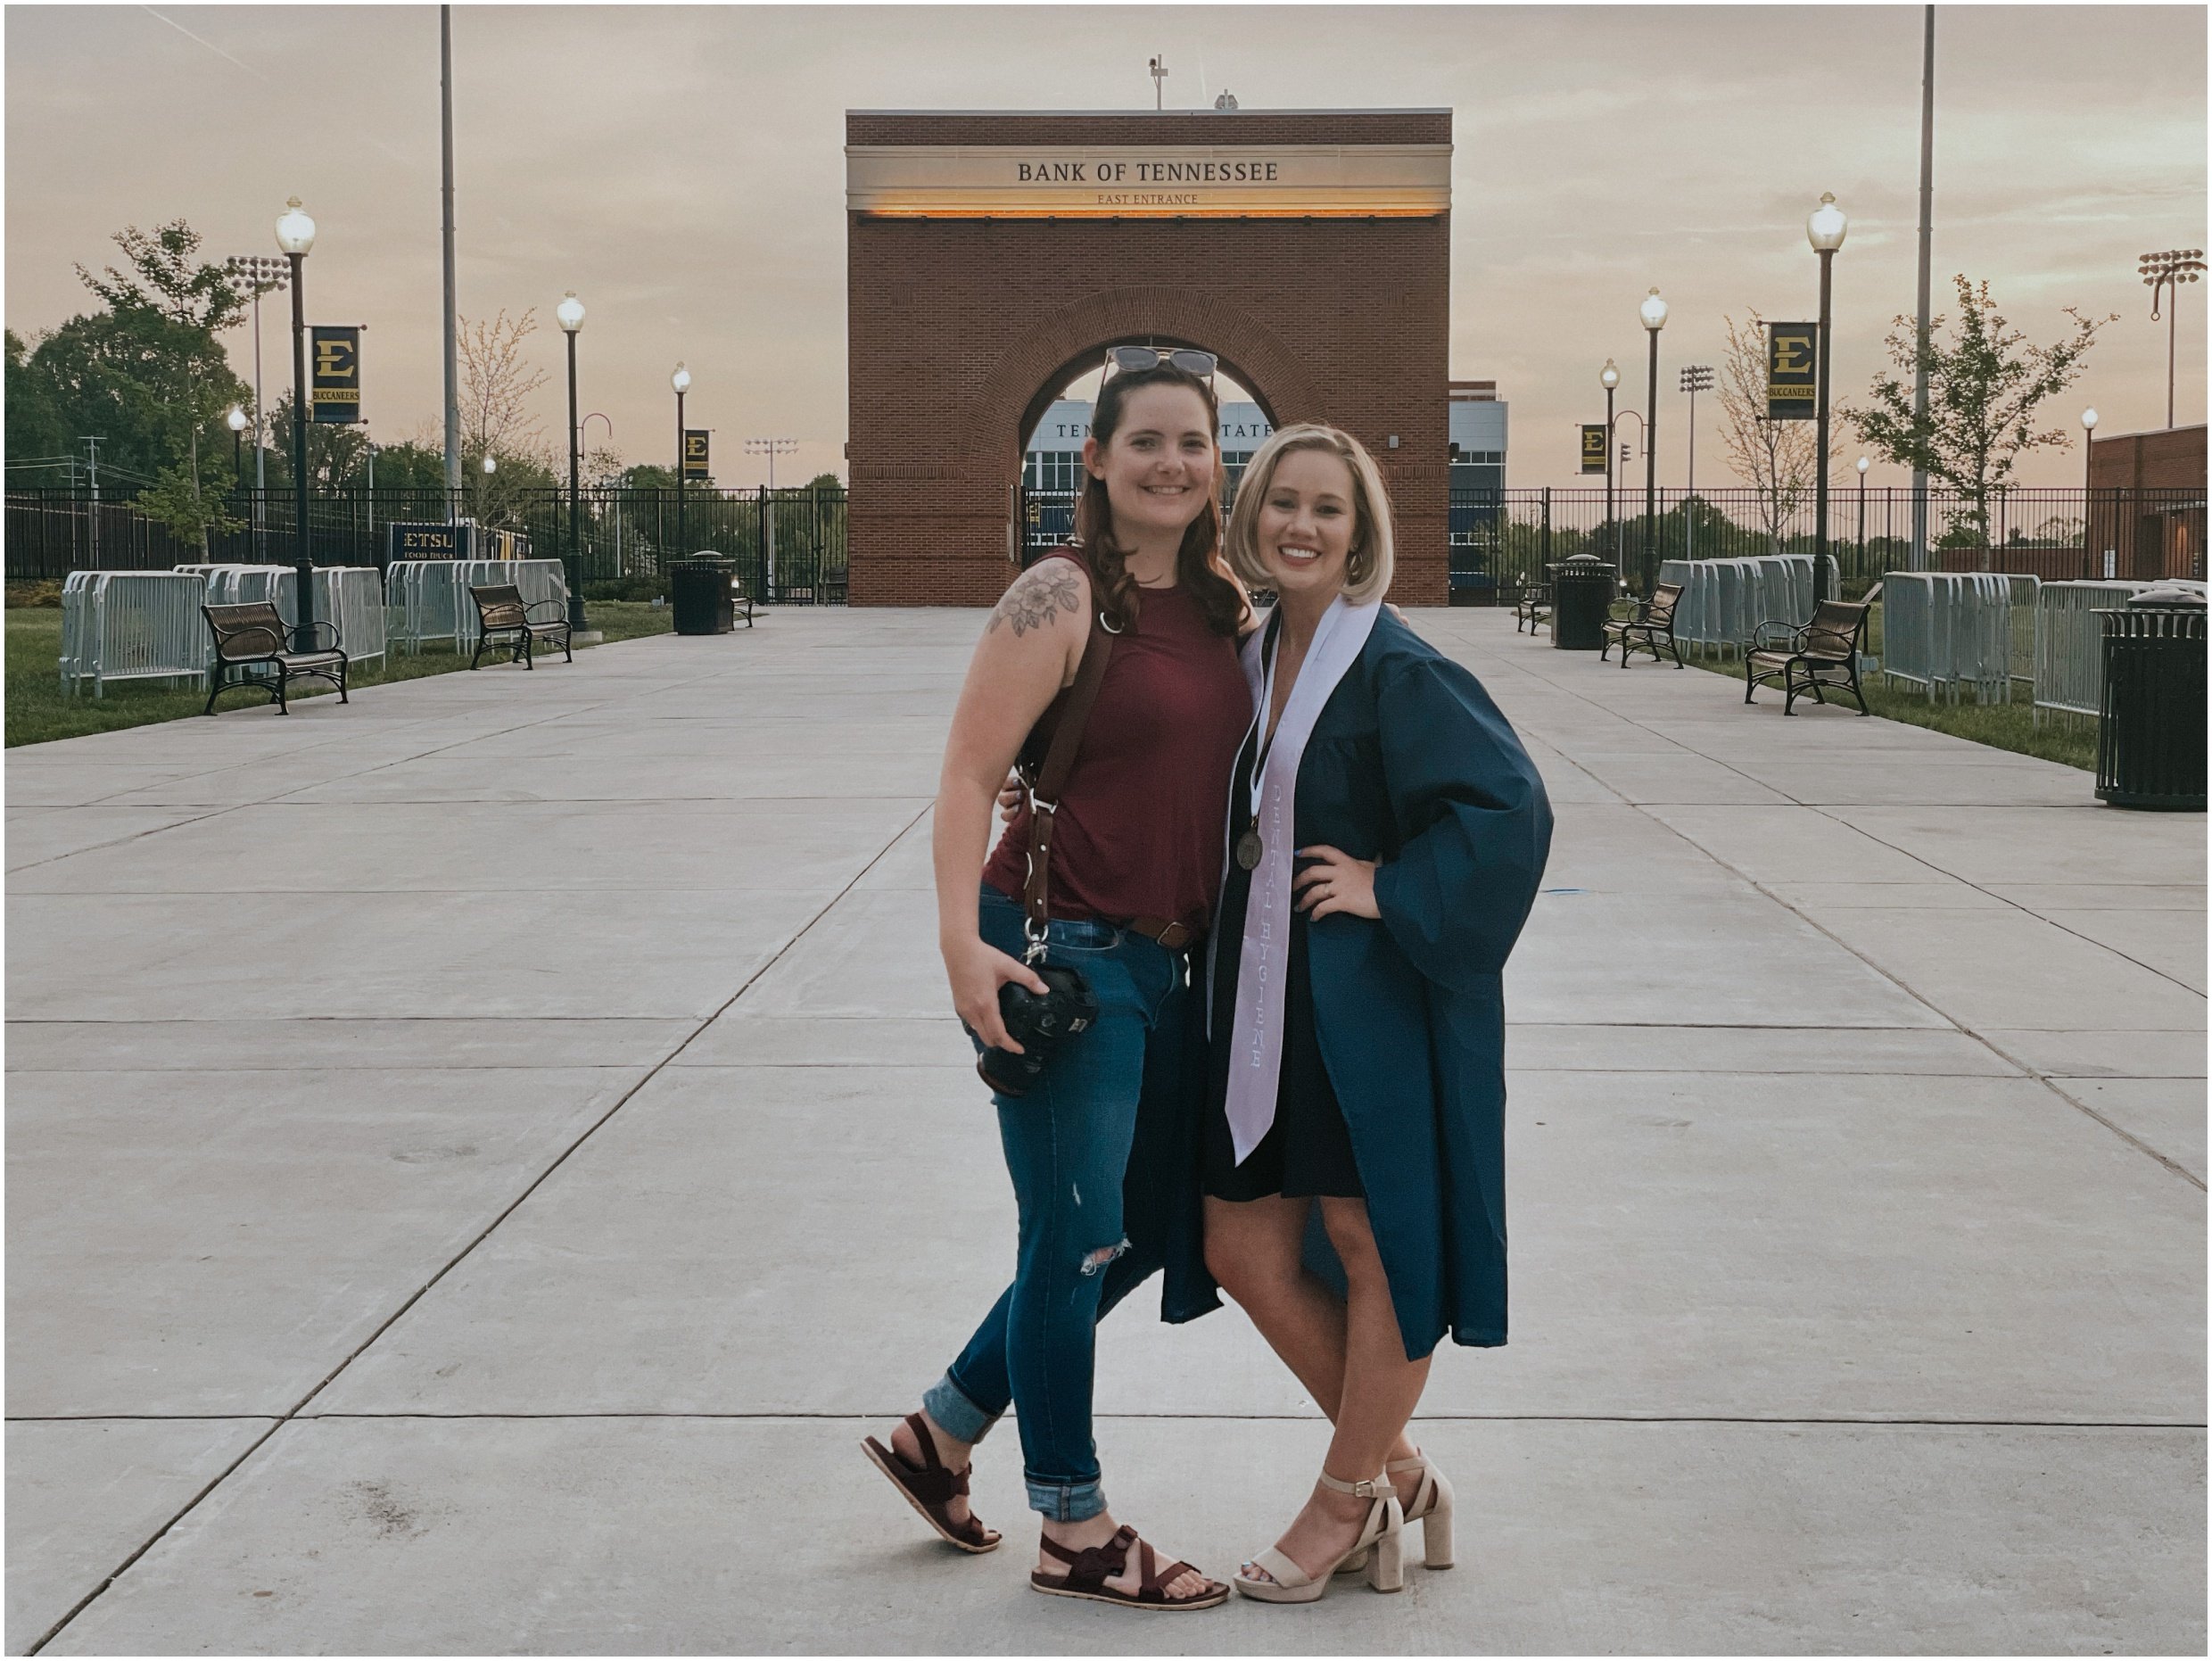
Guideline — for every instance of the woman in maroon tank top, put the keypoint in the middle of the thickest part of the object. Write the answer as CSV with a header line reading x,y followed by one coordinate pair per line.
x,y
1102,1147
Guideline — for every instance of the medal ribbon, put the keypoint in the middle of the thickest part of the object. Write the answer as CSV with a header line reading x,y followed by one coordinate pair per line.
x,y
1263,964
1258,733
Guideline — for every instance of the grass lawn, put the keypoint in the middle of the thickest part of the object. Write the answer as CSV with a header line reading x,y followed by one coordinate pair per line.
x,y
39,710
2064,738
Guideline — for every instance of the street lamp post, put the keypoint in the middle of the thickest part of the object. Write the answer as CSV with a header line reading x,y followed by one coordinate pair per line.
x,y
2168,270
1610,377
2089,497
1654,311
1825,228
681,381
1696,377
295,234
570,312
1863,465
236,421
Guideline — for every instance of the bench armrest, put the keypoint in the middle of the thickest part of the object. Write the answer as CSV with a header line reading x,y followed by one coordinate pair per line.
x,y
1785,634
561,605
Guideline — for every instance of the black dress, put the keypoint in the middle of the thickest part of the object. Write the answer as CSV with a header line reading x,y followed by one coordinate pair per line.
x,y
1308,1150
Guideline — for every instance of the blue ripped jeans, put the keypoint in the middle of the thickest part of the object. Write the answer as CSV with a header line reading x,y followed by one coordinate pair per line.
x,y
1068,1147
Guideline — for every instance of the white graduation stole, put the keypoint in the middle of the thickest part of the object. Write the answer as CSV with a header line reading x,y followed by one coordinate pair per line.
x,y
1263,964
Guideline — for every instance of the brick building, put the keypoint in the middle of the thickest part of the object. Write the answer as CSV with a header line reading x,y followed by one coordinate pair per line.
x,y
994,257
2147,503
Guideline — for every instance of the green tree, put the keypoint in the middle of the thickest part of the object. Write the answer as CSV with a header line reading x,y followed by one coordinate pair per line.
x,y
166,306
39,441
411,465
337,451
107,375
1985,381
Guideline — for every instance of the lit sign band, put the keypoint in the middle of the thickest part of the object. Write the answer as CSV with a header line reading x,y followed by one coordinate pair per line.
x,y
1167,181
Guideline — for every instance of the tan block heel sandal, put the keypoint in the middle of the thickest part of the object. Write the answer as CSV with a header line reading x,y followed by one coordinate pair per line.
x,y
1432,1507
1378,1549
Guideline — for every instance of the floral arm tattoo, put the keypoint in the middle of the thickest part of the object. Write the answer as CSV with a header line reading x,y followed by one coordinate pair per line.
x,y
1038,596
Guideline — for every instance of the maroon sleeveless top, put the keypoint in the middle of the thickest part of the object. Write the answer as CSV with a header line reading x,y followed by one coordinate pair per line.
x,y
1142,813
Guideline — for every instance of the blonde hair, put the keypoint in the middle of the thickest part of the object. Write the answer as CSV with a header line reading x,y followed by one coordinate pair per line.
x,y
1367,569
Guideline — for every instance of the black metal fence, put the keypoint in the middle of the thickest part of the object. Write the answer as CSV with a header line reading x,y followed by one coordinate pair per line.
x,y
790,545
1502,541
1499,541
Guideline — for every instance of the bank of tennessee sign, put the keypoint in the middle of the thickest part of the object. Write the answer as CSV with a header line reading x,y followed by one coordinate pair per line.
x,y
1167,181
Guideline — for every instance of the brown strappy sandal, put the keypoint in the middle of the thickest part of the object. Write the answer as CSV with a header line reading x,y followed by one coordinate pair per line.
x,y
1089,1570
928,1487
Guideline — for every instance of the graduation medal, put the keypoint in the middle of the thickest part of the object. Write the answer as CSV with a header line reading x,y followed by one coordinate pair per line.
x,y
1248,849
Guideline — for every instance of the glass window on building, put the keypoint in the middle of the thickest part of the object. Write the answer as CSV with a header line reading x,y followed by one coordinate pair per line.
x,y
1053,470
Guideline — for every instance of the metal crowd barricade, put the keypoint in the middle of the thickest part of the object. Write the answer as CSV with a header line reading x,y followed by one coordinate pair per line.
x,y
1908,629
2020,630
428,599
132,625
2069,645
537,579
1725,601
421,599
350,597
1944,631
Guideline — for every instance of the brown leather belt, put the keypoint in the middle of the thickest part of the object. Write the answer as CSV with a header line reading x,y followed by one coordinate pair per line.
x,y
1174,935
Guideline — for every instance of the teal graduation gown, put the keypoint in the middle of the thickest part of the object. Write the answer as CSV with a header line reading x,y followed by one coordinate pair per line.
x,y
1411,763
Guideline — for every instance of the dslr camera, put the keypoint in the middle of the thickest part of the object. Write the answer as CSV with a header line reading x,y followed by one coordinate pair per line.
x,y
1037,1022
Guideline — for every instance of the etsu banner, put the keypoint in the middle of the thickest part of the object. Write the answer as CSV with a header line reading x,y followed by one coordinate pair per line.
x,y
1593,447
334,373
1792,371
695,454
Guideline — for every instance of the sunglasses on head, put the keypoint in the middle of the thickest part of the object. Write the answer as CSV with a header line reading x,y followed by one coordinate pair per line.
x,y
1129,360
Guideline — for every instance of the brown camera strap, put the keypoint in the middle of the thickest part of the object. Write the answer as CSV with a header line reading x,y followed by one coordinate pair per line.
x,y
1060,760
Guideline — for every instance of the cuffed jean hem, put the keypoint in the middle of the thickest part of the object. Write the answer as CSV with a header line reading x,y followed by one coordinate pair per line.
x,y
954,1413
1066,1502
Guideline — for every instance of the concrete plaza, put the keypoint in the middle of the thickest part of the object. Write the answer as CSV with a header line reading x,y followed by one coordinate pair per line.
x,y
479,1159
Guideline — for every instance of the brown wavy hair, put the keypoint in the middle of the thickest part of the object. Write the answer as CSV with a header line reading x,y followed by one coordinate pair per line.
x,y
1200,567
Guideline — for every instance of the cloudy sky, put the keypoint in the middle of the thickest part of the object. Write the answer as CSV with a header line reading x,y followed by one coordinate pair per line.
x,y
682,169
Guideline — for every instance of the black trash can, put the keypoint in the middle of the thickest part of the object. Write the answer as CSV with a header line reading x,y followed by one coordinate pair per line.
x,y
1581,598
698,594
2151,727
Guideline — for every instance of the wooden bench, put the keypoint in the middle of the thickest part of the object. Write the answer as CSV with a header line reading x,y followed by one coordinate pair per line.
x,y
1822,653
1654,621
255,636
502,616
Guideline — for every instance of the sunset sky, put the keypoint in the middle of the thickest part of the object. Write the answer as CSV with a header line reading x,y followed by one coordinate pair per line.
x,y
682,170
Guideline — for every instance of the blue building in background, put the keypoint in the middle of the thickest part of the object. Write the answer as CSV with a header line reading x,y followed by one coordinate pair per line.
x,y
1475,431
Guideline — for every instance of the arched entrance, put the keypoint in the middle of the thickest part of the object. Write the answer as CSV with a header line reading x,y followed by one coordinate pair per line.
x,y
1052,429
993,258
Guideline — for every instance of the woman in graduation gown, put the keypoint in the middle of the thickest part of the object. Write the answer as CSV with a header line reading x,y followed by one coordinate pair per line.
x,y
1387,835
